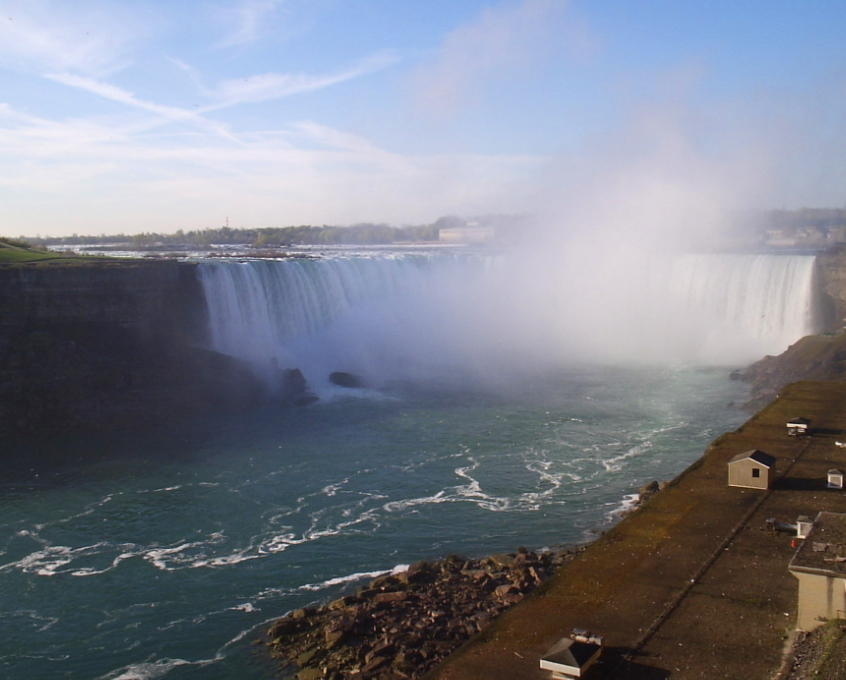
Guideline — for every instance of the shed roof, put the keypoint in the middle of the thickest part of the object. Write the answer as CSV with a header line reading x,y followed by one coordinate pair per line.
x,y
570,656
824,549
764,459
799,421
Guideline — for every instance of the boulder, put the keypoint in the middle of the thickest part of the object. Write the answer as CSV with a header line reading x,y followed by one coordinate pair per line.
x,y
293,382
401,625
345,379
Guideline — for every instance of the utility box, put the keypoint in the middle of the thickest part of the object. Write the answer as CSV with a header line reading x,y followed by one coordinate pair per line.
x,y
798,427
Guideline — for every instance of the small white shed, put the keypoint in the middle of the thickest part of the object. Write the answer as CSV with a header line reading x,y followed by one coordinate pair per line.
x,y
835,479
751,470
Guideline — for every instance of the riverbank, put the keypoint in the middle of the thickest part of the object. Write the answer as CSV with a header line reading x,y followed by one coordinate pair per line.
x,y
692,585
403,624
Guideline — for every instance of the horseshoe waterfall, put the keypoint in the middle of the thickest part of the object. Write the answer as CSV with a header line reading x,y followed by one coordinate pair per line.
x,y
503,403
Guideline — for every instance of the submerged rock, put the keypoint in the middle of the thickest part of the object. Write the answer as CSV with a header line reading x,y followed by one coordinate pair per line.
x,y
345,379
293,382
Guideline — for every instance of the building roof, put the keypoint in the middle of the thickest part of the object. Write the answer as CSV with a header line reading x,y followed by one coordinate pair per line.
x,y
764,459
799,421
570,656
824,550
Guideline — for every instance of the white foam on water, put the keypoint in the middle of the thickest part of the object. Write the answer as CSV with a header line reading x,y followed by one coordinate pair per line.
x,y
332,489
472,492
329,393
193,555
146,670
626,505
90,571
166,488
614,464
277,544
49,560
351,578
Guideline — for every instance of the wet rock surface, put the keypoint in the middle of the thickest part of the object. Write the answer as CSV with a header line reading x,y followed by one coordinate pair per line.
x,y
343,379
403,624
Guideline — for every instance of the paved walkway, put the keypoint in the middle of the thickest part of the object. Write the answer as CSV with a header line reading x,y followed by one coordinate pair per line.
x,y
692,585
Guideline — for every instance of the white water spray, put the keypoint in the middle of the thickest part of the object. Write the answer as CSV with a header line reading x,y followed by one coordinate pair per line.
x,y
412,316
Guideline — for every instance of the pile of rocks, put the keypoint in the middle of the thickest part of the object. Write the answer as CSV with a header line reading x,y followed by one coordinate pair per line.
x,y
403,624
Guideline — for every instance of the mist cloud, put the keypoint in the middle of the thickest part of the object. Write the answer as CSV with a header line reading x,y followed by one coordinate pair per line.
x,y
502,41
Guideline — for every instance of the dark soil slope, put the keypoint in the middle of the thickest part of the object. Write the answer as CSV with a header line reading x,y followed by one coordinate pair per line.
x,y
815,357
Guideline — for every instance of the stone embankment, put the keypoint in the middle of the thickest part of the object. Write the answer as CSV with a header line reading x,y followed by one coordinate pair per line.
x,y
403,624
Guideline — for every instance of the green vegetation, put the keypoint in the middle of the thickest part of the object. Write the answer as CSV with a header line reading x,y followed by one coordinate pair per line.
x,y
828,662
18,250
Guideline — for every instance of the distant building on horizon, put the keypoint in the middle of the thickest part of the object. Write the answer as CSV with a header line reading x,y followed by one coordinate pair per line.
x,y
468,234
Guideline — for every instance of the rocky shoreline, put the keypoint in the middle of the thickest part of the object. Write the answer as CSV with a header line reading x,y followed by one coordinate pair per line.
x,y
402,624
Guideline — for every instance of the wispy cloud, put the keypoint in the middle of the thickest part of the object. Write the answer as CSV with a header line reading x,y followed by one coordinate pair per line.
x,y
268,86
38,35
501,41
250,18
169,113
67,175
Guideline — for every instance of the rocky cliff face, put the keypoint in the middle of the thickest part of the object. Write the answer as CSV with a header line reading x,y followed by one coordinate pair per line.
x,y
815,357
831,267
109,344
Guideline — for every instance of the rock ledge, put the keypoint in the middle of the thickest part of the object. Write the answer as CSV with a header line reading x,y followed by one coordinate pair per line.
x,y
403,624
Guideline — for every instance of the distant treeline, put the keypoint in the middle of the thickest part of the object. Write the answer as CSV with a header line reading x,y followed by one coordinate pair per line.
x,y
359,234
823,220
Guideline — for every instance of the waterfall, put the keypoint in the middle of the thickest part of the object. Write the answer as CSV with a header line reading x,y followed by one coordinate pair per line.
x,y
409,313
767,298
258,308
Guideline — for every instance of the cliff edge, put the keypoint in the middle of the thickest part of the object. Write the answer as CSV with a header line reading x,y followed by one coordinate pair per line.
x,y
108,344
814,357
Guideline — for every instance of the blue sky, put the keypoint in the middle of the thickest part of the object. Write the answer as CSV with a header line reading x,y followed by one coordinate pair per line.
x,y
120,116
